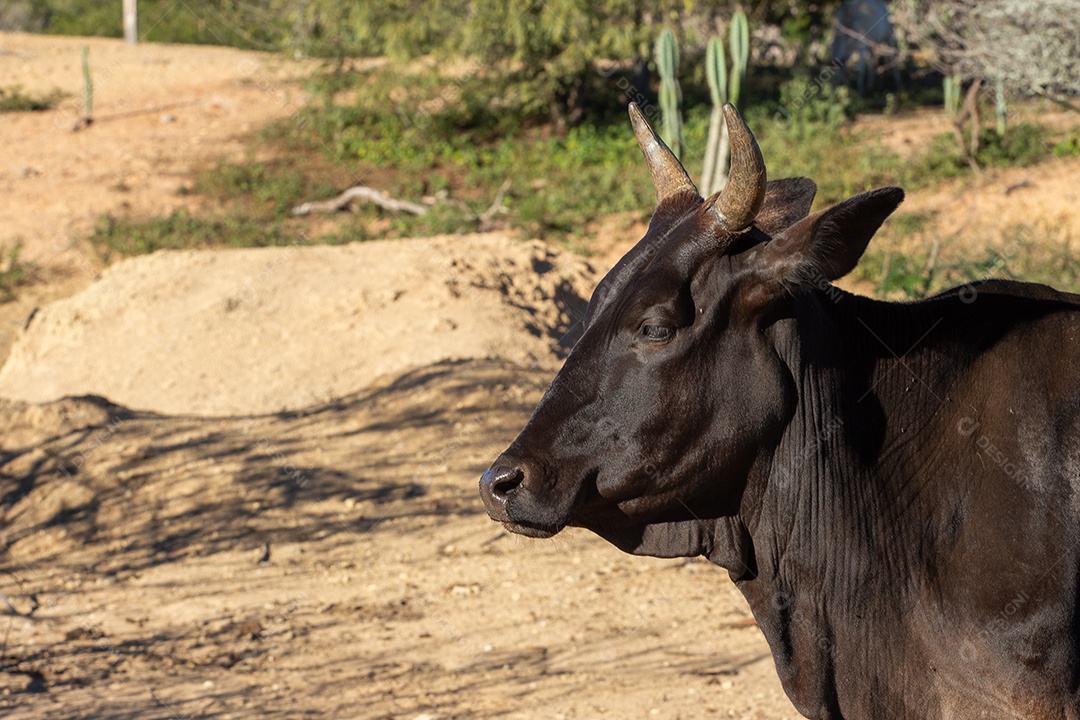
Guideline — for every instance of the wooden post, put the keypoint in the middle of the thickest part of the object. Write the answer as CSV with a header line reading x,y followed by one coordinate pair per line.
x,y
131,22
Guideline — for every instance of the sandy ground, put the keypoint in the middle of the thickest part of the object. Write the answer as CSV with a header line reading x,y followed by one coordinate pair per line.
x,y
332,560
159,112
337,563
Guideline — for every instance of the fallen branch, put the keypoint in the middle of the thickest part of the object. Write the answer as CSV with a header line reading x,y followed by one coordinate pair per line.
x,y
371,195
360,192
497,207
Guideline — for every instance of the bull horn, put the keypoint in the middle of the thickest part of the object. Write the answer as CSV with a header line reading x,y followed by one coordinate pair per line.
x,y
738,203
668,175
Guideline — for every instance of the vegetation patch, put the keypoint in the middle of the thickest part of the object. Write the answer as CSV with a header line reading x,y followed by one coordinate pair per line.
x,y
1041,254
210,22
266,189
14,272
15,99
120,237
479,150
454,145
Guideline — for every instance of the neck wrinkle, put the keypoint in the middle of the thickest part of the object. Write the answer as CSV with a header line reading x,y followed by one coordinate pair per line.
x,y
864,385
810,508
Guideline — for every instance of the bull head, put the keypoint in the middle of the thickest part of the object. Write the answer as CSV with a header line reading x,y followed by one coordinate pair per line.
x,y
664,415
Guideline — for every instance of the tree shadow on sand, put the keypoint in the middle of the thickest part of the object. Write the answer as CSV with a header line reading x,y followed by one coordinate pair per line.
x,y
84,473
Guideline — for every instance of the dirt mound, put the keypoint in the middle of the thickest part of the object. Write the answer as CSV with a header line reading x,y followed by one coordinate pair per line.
x,y
270,329
161,111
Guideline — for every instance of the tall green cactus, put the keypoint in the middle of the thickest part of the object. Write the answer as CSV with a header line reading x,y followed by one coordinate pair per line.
x,y
740,53
716,75
952,95
716,71
1001,107
724,87
667,62
88,87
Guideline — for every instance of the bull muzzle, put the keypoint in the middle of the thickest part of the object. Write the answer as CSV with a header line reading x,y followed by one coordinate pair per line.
x,y
521,495
497,484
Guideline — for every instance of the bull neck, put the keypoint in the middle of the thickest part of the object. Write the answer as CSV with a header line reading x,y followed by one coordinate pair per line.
x,y
812,509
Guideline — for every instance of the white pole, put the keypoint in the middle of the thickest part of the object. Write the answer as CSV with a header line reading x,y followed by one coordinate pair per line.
x,y
131,22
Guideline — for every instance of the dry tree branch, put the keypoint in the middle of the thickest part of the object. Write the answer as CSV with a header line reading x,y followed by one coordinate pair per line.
x,y
360,192
377,197
497,207
1030,45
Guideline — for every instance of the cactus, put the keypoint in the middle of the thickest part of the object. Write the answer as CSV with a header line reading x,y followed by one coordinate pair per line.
x,y
716,71
724,87
88,87
667,62
952,95
716,74
1000,105
740,54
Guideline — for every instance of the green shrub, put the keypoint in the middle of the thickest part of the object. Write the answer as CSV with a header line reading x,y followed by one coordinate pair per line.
x,y
940,160
1068,146
13,99
1024,144
211,22
810,103
269,189
1021,252
14,273
180,230
897,273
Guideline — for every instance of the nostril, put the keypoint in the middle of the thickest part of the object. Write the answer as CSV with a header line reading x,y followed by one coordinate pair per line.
x,y
501,481
506,480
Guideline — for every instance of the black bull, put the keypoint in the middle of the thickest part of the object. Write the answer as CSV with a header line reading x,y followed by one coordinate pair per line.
x,y
893,487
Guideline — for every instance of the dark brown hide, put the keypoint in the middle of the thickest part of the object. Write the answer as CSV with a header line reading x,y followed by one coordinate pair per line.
x,y
893,487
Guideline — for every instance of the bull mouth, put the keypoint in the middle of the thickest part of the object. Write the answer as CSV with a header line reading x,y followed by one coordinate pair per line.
x,y
521,512
538,532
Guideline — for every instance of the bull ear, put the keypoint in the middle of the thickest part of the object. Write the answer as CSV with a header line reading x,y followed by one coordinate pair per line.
x,y
786,202
828,244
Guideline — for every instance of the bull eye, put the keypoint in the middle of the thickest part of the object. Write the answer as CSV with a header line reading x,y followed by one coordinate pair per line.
x,y
657,333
